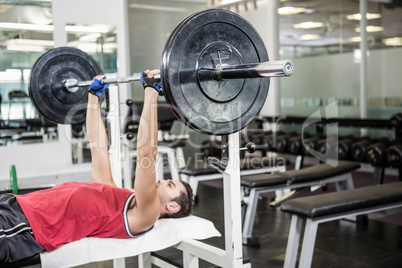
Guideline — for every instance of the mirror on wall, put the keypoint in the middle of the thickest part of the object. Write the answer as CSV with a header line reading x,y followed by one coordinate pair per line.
x,y
323,39
26,33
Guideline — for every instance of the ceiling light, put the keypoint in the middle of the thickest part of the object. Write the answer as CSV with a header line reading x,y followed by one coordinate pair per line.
x,y
25,48
158,8
307,37
30,42
291,10
371,29
90,37
87,29
394,41
10,75
25,26
355,39
369,16
50,28
93,48
308,25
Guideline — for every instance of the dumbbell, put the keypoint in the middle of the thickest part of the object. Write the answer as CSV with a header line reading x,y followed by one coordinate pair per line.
x,y
396,120
296,143
375,154
311,144
327,146
271,140
393,156
283,141
344,146
359,148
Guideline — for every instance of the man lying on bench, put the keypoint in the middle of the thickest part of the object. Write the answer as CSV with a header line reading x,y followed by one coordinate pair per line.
x,y
48,219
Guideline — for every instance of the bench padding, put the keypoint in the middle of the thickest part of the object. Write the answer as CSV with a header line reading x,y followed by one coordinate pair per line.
x,y
344,201
313,173
166,233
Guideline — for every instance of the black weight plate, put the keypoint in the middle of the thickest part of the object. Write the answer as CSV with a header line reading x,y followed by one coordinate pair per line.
x,y
204,40
46,89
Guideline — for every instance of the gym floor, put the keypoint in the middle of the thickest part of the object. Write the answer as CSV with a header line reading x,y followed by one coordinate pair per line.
x,y
375,241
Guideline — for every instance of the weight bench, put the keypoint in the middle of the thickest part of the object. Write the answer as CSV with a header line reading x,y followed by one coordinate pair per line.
x,y
317,175
164,234
202,171
314,210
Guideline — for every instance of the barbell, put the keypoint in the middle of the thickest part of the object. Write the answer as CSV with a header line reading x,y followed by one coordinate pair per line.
x,y
214,71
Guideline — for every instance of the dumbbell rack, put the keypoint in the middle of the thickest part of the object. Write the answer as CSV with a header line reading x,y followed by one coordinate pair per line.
x,y
320,123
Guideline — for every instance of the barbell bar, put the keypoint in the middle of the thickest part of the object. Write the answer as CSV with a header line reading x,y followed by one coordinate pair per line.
x,y
215,74
72,84
220,73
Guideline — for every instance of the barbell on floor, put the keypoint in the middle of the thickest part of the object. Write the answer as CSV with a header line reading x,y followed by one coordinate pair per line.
x,y
214,71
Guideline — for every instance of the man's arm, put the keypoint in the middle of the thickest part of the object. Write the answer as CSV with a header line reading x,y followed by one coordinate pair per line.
x,y
145,177
98,142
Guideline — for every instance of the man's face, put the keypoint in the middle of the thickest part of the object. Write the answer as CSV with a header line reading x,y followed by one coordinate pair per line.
x,y
169,189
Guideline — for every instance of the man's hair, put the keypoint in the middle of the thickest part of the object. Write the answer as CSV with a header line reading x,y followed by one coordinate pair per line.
x,y
186,202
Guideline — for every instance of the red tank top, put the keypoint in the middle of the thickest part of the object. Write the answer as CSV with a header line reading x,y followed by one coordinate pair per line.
x,y
74,210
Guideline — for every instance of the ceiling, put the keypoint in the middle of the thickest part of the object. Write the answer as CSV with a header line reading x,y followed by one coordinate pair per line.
x,y
336,30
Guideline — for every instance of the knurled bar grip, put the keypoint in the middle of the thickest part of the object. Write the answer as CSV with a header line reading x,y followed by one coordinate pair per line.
x,y
223,72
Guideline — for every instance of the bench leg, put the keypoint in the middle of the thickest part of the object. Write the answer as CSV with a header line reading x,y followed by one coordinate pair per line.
x,y
181,161
189,260
378,175
298,162
119,263
293,242
144,260
250,215
173,165
349,182
310,233
193,181
346,184
159,166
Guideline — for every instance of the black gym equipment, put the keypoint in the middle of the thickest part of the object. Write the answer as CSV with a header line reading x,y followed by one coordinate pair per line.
x,y
311,144
375,154
297,143
393,156
283,142
211,148
271,140
396,120
47,92
214,72
359,148
255,138
344,146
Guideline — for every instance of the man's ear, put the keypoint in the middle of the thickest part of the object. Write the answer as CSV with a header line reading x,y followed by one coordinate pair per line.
x,y
172,207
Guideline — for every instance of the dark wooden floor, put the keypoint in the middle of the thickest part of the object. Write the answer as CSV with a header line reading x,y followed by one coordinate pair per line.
x,y
371,244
